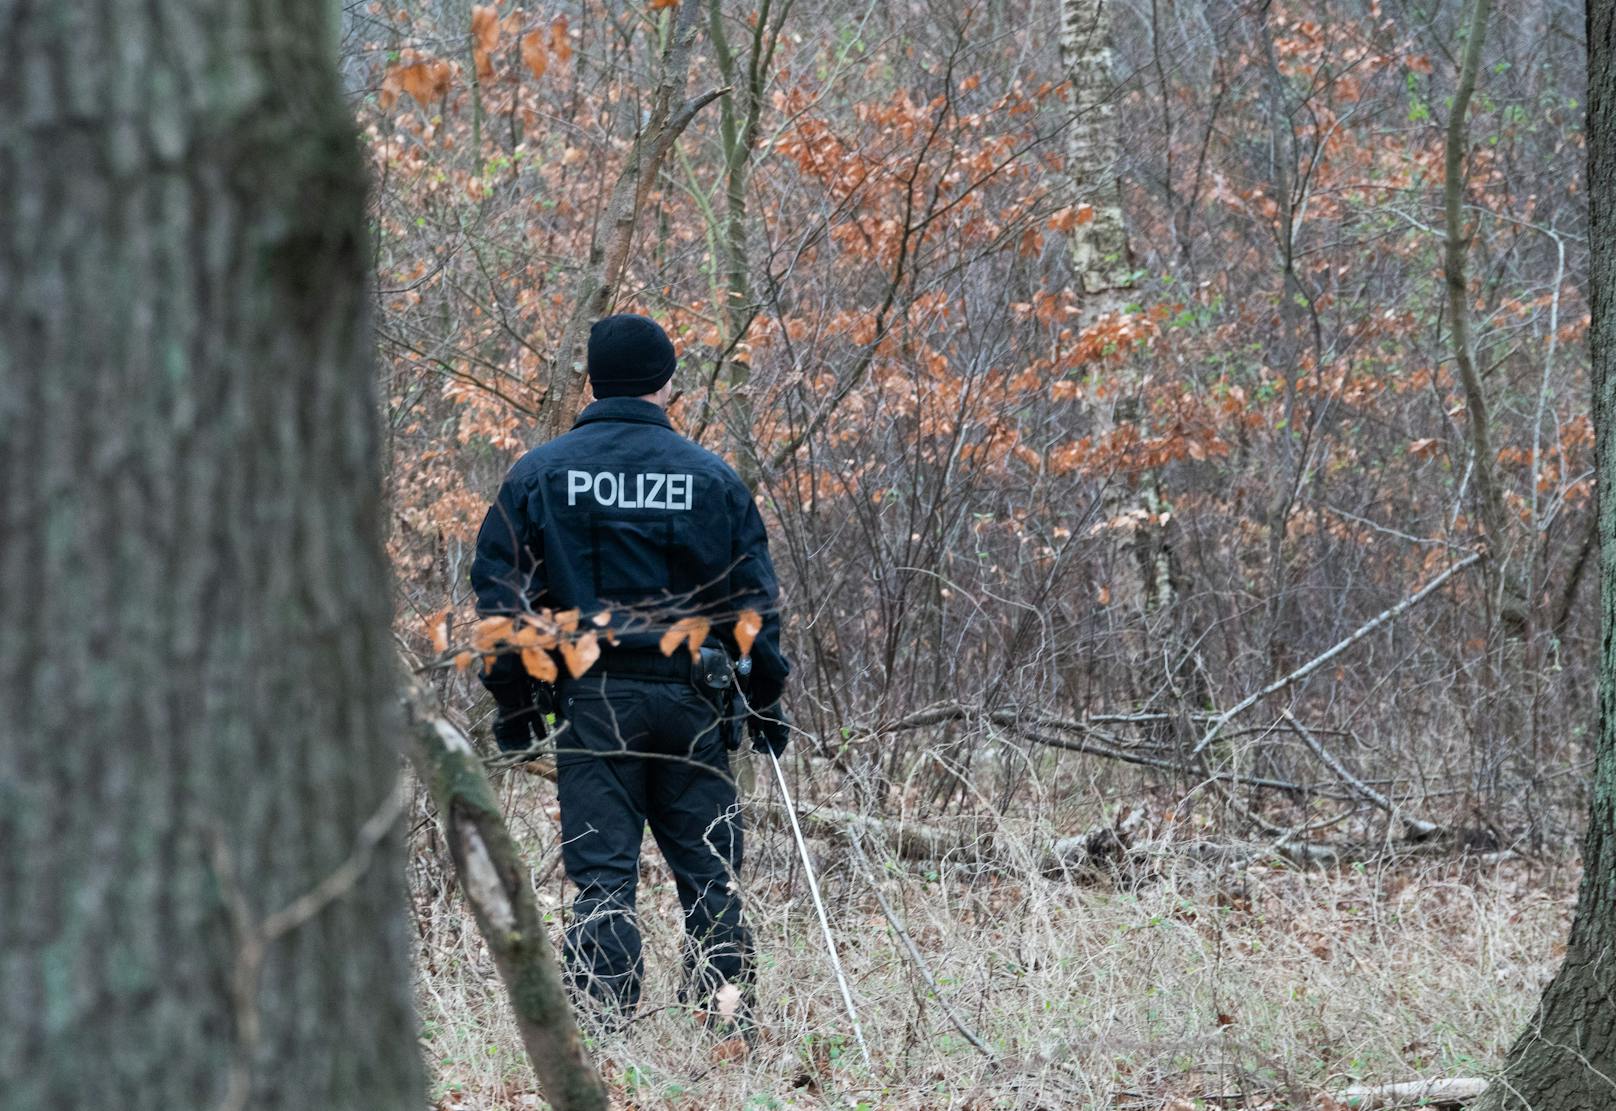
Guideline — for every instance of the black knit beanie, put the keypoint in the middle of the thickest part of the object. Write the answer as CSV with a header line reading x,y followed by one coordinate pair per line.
x,y
629,356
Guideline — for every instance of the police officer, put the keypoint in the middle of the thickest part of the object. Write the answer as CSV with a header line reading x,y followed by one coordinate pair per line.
x,y
624,515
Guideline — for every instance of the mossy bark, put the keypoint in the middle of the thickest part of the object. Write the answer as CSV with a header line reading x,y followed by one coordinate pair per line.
x,y
198,731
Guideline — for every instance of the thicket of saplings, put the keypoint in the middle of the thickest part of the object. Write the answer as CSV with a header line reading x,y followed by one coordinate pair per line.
x,y
1037,544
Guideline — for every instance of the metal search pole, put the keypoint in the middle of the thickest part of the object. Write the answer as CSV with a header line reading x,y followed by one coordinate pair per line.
x,y
819,905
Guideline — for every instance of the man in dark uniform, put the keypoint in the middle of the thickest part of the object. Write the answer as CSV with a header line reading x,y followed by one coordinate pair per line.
x,y
624,515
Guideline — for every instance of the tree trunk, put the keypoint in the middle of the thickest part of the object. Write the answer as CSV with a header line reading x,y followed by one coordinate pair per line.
x,y
1100,244
1566,1058
1455,249
609,252
203,885
741,114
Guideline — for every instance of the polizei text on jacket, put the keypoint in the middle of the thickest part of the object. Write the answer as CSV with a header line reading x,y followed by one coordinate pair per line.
x,y
643,490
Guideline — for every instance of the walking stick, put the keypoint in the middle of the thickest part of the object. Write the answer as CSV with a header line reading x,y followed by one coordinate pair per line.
x,y
824,922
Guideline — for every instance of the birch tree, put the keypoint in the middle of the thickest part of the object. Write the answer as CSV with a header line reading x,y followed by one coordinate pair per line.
x,y
1099,240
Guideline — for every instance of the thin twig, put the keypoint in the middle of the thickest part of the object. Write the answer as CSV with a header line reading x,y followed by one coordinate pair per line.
x,y
1331,653
1417,826
912,949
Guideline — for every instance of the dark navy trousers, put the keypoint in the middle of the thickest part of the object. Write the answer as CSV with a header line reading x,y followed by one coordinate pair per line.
x,y
639,752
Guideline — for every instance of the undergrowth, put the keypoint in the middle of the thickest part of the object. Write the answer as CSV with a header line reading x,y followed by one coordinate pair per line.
x,y
1172,983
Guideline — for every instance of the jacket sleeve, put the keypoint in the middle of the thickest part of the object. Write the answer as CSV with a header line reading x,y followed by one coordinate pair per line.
x,y
754,587
507,577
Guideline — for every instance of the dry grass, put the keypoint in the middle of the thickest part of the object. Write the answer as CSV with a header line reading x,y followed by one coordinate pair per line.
x,y
1152,990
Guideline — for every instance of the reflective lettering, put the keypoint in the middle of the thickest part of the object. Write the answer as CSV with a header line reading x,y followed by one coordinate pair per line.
x,y
642,490
679,491
577,483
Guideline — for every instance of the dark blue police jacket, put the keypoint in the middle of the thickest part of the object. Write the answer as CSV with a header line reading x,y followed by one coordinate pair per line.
x,y
624,514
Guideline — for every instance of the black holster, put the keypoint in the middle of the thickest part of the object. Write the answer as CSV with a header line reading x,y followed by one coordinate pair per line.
x,y
716,675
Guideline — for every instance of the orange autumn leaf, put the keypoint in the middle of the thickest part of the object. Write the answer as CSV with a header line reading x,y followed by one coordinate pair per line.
x,y
424,81
531,636
540,664
560,42
484,37
691,630
487,633
437,628
463,660
534,55
580,654
567,621
747,626
1064,220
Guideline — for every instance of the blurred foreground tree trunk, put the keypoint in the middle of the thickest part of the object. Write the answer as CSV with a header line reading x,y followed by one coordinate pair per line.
x,y
1566,1059
202,870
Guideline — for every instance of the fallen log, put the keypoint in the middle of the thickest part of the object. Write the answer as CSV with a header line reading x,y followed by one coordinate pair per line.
x,y
1452,1092
969,841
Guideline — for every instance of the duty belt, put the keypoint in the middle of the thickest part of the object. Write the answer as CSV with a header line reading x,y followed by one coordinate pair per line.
x,y
711,670
646,663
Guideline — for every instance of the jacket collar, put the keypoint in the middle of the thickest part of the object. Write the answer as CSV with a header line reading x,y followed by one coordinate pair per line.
x,y
630,409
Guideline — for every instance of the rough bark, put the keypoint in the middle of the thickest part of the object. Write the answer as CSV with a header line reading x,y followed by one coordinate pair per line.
x,y
1566,1058
1099,245
499,888
203,887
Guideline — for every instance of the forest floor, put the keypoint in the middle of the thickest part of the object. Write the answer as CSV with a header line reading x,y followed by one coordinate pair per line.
x,y
1175,986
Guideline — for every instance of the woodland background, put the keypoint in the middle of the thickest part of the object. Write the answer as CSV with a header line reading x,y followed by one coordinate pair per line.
x,y
1095,367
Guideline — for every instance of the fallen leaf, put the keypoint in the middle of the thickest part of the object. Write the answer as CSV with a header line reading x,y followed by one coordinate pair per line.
x,y
730,1049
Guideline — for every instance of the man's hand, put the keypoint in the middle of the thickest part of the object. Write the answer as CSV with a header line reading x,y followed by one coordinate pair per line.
x,y
517,730
771,730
